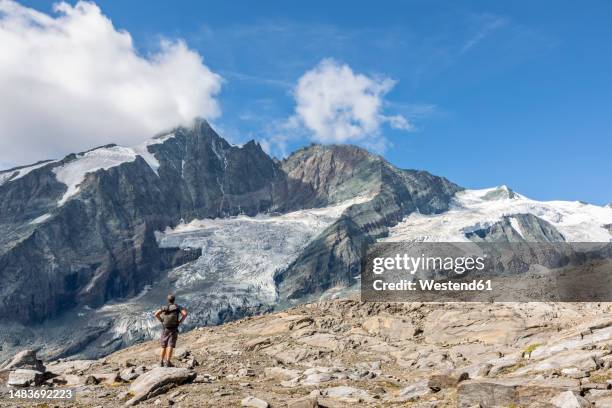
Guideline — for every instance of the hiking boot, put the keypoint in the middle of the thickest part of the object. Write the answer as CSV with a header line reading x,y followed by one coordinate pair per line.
x,y
161,363
169,364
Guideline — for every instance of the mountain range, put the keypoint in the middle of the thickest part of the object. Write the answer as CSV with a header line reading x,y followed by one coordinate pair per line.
x,y
91,244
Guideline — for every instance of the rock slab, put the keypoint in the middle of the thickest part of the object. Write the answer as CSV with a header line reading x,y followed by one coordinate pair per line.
x,y
25,378
158,381
254,402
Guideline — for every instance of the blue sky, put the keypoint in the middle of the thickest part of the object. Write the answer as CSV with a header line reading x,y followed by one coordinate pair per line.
x,y
516,93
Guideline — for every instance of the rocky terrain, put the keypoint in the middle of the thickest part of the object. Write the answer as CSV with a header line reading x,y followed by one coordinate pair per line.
x,y
348,353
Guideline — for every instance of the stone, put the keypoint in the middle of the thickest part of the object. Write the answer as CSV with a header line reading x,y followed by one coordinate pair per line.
x,y
415,390
588,385
107,378
182,353
25,378
69,367
72,379
579,359
438,382
281,373
323,340
294,382
246,372
600,398
203,379
128,374
573,372
306,402
301,323
568,399
317,378
254,402
257,344
456,326
91,380
511,391
25,359
349,394
158,381
393,328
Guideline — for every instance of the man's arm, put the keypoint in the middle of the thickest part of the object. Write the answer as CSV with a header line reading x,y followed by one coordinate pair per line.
x,y
183,315
158,315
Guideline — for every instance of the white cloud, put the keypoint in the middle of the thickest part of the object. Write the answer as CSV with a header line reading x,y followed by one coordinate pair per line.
x,y
337,105
71,80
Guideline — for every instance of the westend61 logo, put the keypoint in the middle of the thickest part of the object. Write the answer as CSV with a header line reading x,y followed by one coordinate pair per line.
x,y
412,265
487,272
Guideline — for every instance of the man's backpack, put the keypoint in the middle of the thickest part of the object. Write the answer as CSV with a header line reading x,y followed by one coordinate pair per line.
x,y
170,316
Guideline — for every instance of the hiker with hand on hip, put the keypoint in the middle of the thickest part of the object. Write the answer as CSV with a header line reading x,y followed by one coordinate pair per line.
x,y
170,316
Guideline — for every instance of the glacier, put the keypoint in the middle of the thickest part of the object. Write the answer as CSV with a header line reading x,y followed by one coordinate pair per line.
x,y
476,209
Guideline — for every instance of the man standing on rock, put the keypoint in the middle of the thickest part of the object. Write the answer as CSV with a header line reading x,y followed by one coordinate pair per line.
x,y
171,316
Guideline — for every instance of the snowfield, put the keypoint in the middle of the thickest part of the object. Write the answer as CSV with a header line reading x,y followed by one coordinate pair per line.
x,y
73,173
14,174
476,209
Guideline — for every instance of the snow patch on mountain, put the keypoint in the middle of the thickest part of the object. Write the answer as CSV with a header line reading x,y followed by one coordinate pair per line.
x,y
516,225
73,173
15,174
142,150
472,210
41,219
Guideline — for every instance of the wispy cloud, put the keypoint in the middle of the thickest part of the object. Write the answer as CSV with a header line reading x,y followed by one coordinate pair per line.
x,y
487,25
256,79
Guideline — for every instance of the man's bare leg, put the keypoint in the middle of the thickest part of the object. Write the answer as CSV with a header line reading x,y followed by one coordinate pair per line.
x,y
169,351
163,353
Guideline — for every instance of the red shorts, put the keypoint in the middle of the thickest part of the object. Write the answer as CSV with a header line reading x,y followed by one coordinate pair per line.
x,y
168,338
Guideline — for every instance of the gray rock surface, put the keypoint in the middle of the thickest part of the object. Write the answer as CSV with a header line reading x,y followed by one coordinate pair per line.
x,y
569,399
25,378
158,381
254,402
26,359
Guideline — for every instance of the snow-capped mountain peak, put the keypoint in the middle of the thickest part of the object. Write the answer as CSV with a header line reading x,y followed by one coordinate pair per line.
x,y
476,210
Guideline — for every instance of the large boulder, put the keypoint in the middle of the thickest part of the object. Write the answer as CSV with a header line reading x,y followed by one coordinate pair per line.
x,y
25,359
415,390
281,373
254,402
348,394
25,378
511,391
438,382
129,374
158,381
569,399
305,402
